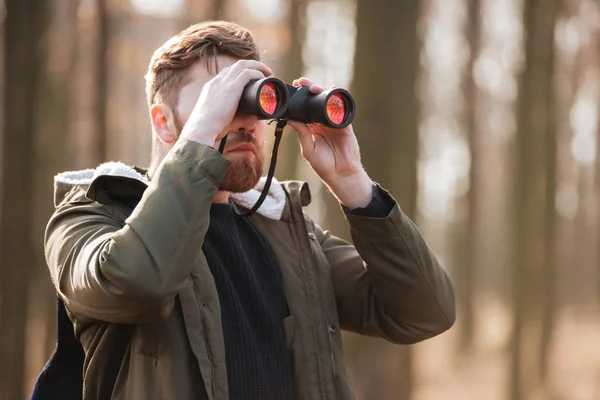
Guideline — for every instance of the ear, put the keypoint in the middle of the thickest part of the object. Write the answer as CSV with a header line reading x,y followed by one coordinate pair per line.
x,y
163,122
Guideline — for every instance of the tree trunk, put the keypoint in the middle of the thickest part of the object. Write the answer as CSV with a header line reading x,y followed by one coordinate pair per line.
x,y
534,175
102,67
198,11
548,275
89,91
596,48
292,68
217,11
52,154
24,27
467,259
386,70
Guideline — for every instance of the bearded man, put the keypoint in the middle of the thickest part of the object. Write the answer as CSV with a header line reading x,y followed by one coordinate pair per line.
x,y
171,294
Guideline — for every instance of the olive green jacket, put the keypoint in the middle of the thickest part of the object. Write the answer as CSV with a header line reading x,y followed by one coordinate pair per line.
x,y
124,252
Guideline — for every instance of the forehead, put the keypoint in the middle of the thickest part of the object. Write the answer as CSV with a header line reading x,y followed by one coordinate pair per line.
x,y
199,74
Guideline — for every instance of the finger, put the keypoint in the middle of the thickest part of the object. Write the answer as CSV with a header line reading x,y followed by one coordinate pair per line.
x,y
304,134
242,65
248,75
295,83
316,89
222,72
304,81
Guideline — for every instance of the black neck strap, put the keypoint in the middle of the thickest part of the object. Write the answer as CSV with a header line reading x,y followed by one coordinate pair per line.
x,y
281,123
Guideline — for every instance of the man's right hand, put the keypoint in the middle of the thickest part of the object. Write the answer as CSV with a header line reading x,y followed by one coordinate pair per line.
x,y
218,101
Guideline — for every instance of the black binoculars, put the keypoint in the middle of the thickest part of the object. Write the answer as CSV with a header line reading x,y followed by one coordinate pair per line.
x,y
271,98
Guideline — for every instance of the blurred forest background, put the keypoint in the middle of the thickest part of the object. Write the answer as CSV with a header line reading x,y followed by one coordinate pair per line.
x,y
480,116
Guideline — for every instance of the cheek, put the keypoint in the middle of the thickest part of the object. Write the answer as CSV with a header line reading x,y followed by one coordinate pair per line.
x,y
262,130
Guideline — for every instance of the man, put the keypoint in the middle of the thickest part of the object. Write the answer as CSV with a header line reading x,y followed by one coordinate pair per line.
x,y
173,295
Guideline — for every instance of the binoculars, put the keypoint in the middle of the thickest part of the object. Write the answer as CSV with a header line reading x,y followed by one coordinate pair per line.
x,y
271,98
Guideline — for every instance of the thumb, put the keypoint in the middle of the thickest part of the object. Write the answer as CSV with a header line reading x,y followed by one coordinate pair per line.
x,y
305,136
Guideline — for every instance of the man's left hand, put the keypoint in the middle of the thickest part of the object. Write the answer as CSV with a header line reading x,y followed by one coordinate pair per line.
x,y
334,155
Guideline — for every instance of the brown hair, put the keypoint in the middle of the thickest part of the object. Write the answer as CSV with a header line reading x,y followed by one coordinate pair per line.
x,y
170,63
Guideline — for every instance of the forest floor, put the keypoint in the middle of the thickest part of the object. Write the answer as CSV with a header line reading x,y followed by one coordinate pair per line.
x,y
574,370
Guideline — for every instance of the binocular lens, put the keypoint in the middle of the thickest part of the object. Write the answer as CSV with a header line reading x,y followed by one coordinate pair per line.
x,y
268,98
336,108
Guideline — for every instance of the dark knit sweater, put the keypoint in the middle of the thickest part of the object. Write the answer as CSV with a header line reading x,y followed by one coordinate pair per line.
x,y
253,303
253,306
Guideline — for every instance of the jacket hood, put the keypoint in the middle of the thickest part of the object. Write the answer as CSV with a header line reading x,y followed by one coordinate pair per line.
x,y
132,181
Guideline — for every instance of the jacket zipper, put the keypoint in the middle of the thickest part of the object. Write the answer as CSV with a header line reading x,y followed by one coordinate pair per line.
x,y
303,264
327,324
203,304
322,303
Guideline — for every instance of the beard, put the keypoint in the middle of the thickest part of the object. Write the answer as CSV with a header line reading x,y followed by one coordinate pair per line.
x,y
244,172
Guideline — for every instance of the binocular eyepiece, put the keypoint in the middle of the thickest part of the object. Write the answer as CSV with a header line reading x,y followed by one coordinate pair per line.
x,y
271,98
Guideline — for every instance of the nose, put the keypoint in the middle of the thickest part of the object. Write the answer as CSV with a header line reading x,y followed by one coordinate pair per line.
x,y
245,123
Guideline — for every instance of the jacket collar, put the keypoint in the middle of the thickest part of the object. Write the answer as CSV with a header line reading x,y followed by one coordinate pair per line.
x,y
126,183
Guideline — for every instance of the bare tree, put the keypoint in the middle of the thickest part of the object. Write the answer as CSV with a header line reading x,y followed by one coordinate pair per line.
x,y
467,257
51,154
102,68
24,27
196,11
218,9
534,187
89,89
291,68
596,43
386,71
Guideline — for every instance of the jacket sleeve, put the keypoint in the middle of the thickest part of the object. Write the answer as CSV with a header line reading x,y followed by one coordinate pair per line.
x,y
129,272
389,284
